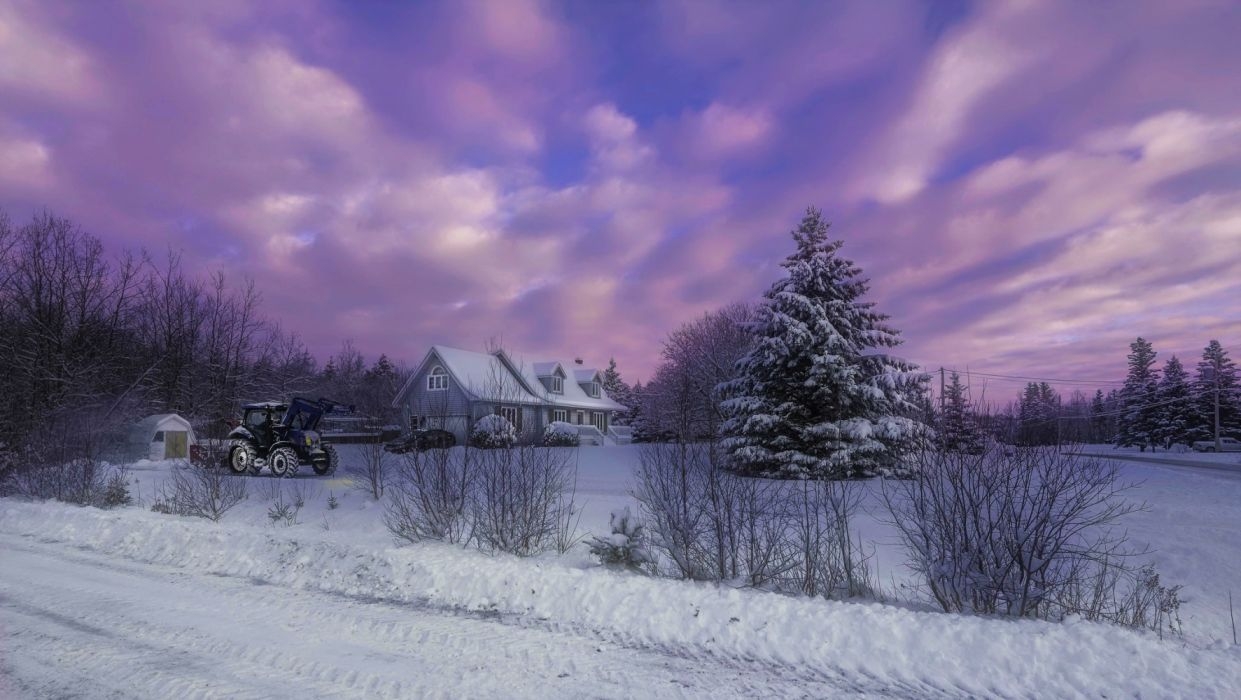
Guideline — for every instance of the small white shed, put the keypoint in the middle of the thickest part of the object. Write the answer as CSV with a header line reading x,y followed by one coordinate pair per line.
x,y
162,436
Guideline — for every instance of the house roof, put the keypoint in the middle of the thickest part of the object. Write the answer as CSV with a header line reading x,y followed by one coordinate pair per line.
x,y
573,396
547,369
585,375
483,375
497,377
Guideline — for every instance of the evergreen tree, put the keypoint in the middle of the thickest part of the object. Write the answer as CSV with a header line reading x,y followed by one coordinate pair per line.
x,y
1176,406
1216,363
1138,412
813,398
1099,423
636,416
1038,415
619,392
958,428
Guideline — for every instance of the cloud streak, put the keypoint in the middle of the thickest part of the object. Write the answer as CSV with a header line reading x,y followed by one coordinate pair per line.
x,y
1028,185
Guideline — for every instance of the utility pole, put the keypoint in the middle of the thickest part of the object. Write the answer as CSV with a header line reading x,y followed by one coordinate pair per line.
x,y
1215,377
941,391
1215,373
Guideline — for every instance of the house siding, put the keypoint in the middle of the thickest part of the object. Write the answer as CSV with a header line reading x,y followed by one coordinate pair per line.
x,y
451,404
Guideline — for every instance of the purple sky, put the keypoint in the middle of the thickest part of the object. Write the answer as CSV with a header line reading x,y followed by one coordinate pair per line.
x,y
1029,185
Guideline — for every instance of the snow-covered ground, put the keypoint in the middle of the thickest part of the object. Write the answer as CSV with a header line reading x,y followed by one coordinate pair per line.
x,y
134,603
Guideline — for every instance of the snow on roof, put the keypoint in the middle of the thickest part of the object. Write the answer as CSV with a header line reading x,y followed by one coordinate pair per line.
x,y
142,430
585,375
485,375
573,396
546,369
499,377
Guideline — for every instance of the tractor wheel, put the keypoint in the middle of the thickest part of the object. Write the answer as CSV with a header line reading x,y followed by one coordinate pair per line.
x,y
327,466
241,457
283,462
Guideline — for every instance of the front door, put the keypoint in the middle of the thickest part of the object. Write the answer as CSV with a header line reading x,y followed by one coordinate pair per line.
x,y
176,444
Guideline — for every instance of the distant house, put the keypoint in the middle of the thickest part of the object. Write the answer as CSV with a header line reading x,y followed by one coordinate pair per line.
x,y
452,389
161,436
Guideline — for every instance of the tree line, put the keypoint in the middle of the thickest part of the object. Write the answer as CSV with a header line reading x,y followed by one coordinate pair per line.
x,y
90,341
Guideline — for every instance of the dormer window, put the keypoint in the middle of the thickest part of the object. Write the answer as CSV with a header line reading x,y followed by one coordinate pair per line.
x,y
555,384
593,389
437,380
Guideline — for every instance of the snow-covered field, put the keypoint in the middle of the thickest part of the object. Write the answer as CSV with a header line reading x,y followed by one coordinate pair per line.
x,y
133,603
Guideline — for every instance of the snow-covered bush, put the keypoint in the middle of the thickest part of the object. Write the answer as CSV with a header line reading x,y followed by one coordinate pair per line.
x,y
116,490
493,431
626,546
561,434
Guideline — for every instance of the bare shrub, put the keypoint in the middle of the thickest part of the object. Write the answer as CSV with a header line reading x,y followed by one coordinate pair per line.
x,y
428,496
200,492
1117,592
670,491
518,502
373,470
83,481
1027,534
708,523
568,515
286,504
827,561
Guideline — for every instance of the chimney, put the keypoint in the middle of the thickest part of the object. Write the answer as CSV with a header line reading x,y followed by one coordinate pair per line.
x,y
577,360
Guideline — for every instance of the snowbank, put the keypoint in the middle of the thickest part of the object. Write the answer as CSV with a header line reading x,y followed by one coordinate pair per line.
x,y
918,650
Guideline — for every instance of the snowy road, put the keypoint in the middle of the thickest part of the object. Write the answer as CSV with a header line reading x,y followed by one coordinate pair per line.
x,y
79,624
1191,462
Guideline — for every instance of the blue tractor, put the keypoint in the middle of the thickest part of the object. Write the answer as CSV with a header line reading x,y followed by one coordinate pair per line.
x,y
283,437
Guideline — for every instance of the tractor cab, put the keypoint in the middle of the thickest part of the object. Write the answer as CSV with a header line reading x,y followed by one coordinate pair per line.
x,y
262,419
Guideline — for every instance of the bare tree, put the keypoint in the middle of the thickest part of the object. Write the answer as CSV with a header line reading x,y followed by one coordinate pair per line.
x,y
683,396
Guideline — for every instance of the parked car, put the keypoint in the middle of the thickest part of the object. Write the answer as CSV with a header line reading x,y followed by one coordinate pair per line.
x,y
1225,445
421,440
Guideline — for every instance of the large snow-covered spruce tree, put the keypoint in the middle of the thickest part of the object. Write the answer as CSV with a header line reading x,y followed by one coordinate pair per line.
x,y
1217,370
1176,405
816,397
1139,411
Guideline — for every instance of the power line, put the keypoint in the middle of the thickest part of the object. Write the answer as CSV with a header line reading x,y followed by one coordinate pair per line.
x,y
1014,377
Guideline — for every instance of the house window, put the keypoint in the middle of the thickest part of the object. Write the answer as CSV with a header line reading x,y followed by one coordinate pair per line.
x,y
581,418
513,415
159,436
593,388
600,421
437,380
560,415
556,384
415,422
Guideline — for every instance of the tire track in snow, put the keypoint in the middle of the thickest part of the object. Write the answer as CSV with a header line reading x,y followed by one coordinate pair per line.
x,y
60,616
